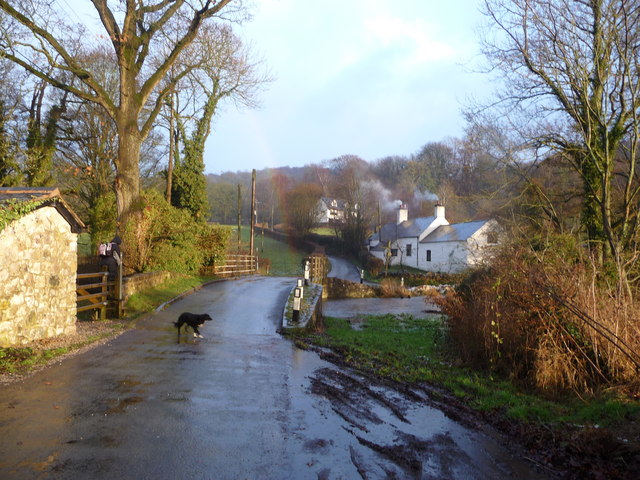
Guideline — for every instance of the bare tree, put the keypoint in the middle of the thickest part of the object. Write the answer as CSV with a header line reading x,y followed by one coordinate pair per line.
x,y
33,36
87,144
355,186
572,78
302,207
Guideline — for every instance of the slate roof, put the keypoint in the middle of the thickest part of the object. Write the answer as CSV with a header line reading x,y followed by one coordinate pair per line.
x,y
51,196
457,232
340,204
409,228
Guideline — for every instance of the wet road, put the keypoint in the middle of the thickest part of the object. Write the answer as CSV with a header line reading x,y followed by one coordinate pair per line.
x,y
341,268
241,403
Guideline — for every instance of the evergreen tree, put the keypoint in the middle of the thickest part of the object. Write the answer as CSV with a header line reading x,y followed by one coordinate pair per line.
x,y
10,174
41,145
189,185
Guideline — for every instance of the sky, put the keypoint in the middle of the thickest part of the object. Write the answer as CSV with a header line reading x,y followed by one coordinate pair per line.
x,y
371,78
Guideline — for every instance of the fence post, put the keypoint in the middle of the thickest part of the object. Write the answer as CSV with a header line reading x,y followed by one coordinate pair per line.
x,y
105,296
119,308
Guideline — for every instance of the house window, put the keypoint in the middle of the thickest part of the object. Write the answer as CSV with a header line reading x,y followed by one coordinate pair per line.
x,y
394,252
409,250
492,237
428,255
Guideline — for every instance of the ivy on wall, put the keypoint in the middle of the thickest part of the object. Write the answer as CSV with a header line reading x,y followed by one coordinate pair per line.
x,y
15,209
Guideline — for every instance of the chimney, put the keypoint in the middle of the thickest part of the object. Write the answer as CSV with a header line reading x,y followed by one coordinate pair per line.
x,y
403,213
439,210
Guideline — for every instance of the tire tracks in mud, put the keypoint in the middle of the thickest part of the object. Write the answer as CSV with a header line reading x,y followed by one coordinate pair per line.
x,y
362,402
378,413
346,390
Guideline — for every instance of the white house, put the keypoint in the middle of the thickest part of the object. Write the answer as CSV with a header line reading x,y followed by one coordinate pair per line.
x,y
330,210
433,244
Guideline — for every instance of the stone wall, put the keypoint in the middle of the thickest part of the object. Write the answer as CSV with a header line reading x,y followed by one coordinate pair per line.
x,y
38,262
335,288
141,281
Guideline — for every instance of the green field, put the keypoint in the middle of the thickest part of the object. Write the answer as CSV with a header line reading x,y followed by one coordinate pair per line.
x,y
283,259
326,231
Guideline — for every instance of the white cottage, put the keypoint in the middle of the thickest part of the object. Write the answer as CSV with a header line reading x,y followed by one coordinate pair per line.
x,y
330,210
433,244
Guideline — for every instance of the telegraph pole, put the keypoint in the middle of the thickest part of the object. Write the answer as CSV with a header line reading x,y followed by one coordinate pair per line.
x,y
253,209
239,217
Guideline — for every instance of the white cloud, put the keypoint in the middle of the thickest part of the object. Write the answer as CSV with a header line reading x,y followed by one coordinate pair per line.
x,y
415,37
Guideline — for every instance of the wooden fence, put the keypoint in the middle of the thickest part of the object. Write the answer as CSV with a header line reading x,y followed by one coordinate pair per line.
x,y
233,265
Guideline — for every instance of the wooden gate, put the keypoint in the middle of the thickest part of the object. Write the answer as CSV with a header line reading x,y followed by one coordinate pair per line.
x,y
93,295
233,265
95,292
318,267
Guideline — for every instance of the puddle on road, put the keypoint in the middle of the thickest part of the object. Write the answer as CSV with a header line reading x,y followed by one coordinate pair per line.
x,y
121,404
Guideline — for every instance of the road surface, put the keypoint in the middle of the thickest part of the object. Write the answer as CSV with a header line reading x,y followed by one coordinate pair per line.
x,y
341,268
241,403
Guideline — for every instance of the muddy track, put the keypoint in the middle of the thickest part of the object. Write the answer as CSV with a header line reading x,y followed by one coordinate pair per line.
x,y
359,396
378,411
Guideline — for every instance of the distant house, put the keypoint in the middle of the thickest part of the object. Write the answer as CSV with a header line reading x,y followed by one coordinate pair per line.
x,y
330,210
38,265
431,243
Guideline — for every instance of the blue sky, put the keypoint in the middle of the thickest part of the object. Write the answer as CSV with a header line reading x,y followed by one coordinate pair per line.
x,y
365,77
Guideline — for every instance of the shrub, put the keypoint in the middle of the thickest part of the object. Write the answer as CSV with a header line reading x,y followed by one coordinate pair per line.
x,y
391,287
213,241
541,314
374,265
163,237
102,218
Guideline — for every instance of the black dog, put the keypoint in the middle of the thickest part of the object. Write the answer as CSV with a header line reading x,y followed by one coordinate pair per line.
x,y
192,320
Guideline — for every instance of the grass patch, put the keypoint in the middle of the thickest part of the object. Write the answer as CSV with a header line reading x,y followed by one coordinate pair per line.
x,y
285,260
410,350
324,231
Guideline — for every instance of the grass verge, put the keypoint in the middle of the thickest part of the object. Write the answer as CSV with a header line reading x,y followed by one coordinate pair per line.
x,y
149,299
22,360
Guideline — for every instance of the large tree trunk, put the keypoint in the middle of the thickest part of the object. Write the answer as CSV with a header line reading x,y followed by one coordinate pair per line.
x,y
130,136
127,185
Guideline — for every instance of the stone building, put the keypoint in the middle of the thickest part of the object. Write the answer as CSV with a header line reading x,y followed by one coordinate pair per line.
x,y
38,264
